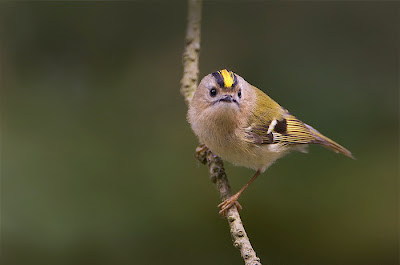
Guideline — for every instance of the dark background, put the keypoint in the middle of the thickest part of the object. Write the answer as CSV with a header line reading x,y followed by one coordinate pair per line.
x,y
97,161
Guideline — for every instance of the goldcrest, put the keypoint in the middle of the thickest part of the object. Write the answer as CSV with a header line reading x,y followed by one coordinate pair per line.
x,y
244,126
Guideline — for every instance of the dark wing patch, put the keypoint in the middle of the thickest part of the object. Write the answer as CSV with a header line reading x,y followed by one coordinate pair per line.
x,y
281,126
289,130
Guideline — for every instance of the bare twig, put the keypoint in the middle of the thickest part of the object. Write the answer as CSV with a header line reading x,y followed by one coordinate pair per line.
x,y
215,164
218,176
191,52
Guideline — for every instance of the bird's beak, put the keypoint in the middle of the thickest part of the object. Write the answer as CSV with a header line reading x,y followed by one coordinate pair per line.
x,y
226,98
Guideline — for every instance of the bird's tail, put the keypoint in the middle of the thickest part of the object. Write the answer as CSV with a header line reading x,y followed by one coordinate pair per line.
x,y
328,143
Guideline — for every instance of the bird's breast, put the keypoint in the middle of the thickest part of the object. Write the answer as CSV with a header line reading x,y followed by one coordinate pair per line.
x,y
228,142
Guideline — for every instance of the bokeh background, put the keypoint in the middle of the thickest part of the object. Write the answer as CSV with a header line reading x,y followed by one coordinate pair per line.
x,y
97,162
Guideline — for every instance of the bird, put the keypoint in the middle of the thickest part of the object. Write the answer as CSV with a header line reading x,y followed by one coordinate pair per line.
x,y
244,126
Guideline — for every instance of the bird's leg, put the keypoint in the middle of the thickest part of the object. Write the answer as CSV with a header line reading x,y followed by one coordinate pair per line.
x,y
225,205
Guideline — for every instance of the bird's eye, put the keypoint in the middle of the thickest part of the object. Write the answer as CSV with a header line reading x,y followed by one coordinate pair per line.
x,y
213,92
240,93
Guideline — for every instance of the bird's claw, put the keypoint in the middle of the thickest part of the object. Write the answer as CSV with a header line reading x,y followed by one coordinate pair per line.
x,y
228,203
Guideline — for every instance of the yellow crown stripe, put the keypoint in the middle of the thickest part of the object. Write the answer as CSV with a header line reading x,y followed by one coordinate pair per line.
x,y
227,77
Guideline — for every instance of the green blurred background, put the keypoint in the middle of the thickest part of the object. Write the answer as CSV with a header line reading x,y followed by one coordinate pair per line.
x,y
97,162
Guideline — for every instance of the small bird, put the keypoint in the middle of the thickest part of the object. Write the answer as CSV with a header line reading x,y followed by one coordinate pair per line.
x,y
244,126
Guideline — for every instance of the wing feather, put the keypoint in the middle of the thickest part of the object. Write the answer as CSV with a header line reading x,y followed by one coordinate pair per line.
x,y
272,124
295,133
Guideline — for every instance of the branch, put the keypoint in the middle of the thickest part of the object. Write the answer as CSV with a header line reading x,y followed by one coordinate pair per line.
x,y
215,164
191,53
218,176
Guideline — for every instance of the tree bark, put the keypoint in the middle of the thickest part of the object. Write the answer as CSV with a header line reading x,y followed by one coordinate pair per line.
x,y
215,164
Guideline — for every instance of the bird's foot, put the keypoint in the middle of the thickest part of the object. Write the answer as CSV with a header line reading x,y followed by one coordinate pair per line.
x,y
201,153
228,203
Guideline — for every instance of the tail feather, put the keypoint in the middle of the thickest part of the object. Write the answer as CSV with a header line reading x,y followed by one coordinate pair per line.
x,y
328,143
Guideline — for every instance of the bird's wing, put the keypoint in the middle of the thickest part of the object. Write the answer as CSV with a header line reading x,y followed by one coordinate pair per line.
x,y
288,130
269,123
